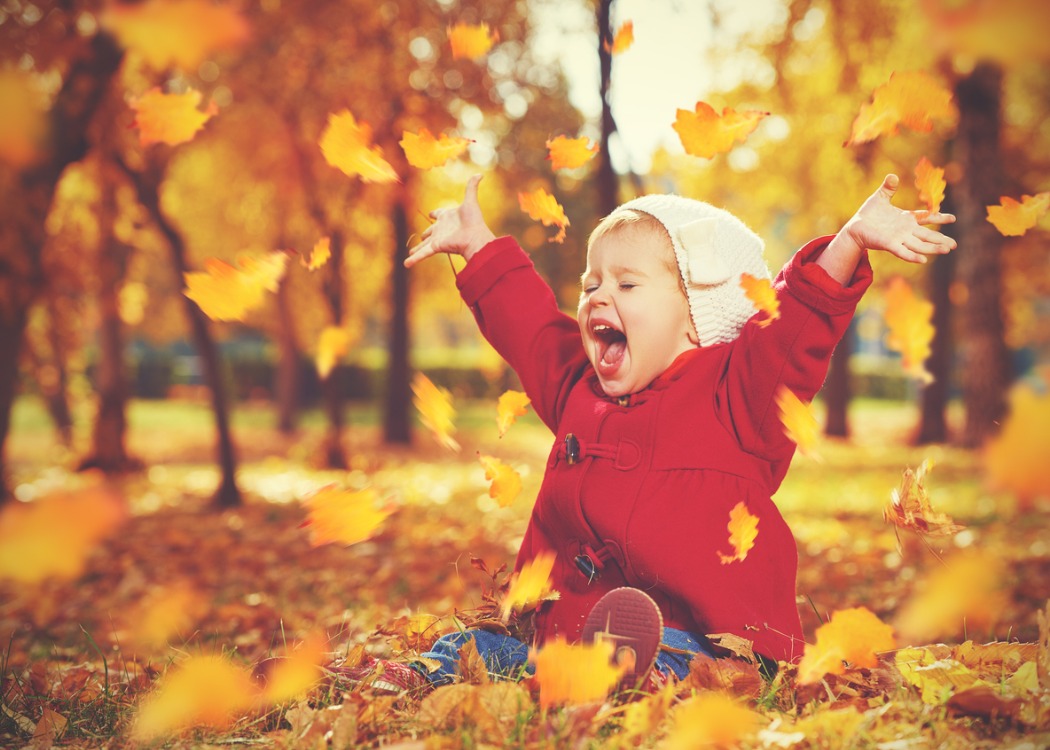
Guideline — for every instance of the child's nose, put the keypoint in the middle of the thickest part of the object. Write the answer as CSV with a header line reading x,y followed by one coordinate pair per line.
x,y
599,297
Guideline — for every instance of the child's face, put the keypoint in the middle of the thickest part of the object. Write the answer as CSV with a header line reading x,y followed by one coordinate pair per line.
x,y
633,314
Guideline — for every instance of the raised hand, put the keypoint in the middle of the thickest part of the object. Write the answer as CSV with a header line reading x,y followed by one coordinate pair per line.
x,y
458,231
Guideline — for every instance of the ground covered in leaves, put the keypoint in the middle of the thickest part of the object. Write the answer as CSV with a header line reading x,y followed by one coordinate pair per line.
x,y
78,660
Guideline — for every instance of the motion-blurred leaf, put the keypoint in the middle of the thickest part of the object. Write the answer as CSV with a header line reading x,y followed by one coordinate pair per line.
x,y
170,118
435,410
911,99
711,719
910,507
320,254
544,207
332,345
511,405
424,151
573,674
761,293
529,585
347,146
296,673
1014,218
910,330
622,39
226,292
743,530
166,613
343,516
929,181
800,425
570,153
471,41
705,133
1015,459
851,635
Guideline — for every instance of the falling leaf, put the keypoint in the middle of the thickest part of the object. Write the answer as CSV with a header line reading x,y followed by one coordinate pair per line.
x,y
743,529
332,346
170,118
181,33
569,153
963,593
424,151
343,516
511,405
929,181
471,41
911,99
542,206
573,674
800,425
1015,459
53,536
24,122
435,410
320,254
761,293
530,584
645,714
296,673
705,133
1013,218
227,292
622,39
347,146
166,613
711,719
851,635
506,482
910,507
202,691
910,330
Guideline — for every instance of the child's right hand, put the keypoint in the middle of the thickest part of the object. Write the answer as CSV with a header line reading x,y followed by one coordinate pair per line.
x,y
460,231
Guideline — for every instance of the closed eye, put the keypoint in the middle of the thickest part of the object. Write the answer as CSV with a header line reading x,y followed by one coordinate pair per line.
x,y
626,286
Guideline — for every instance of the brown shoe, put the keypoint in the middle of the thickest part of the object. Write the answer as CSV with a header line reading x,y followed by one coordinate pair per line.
x,y
631,621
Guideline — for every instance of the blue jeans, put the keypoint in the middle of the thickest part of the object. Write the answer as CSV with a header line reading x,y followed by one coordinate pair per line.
x,y
510,657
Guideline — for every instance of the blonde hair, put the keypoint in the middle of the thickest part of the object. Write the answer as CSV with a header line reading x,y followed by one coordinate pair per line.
x,y
631,220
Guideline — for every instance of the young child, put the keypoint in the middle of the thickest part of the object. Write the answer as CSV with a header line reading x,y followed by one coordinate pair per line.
x,y
661,397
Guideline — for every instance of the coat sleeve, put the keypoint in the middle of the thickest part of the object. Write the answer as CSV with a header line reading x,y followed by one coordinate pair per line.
x,y
518,314
793,351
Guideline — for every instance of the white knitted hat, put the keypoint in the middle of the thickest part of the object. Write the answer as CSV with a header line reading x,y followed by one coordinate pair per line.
x,y
712,248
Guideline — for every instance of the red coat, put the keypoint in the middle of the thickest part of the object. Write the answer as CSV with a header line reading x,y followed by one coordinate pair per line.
x,y
648,493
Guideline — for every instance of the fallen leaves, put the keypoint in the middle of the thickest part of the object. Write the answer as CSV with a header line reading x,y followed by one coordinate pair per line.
x,y
575,674
543,207
435,410
909,328
1014,218
705,133
228,292
852,635
711,719
914,100
743,530
424,151
343,516
170,118
570,153
347,146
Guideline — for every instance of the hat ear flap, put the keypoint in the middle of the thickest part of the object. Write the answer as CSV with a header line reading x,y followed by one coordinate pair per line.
x,y
706,267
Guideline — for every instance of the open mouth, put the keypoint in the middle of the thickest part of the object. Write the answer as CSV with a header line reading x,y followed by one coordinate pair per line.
x,y
611,344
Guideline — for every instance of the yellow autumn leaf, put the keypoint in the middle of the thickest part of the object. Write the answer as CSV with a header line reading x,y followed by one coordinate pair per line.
x,y
910,507
1015,458
936,678
471,41
570,153
435,410
574,674
910,99
347,146
800,425
170,118
710,719
506,482
645,713
53,536
851,635
332,345
760,292
511,405
24,122
180,33
227,292
543,207
169,612
424,151
343,516
910,330
705,133
204,690
622,39
296,673
529,585
929,181
1014,218
743,529
319,255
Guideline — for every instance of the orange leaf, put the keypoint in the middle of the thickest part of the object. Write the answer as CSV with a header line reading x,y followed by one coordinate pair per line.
x,y
166,613
743,529
511,405
424,151
320,255
296,673
225,292
799,423
529,585
910,330
574,674
506,482
929,180
183,33
911,99
569,153
333,344
706,133
344,516
471,41
542,206
202,691
435,410
347,146
1015,458
24,122
851,635
622,39
711,719
760,292
53,536
910,506
170,118
1013,218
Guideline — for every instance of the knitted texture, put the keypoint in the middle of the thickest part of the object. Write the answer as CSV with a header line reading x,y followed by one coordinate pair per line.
x,y
719,310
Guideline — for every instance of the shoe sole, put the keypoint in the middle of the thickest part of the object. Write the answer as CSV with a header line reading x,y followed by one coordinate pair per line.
x,y
627,617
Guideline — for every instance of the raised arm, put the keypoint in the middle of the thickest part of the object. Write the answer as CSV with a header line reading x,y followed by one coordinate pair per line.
x,y
457,231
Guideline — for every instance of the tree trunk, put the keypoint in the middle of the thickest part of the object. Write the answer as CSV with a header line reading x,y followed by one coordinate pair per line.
x,y
836,391
397,418
288,378
331,393
12,332
985,366
608,185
